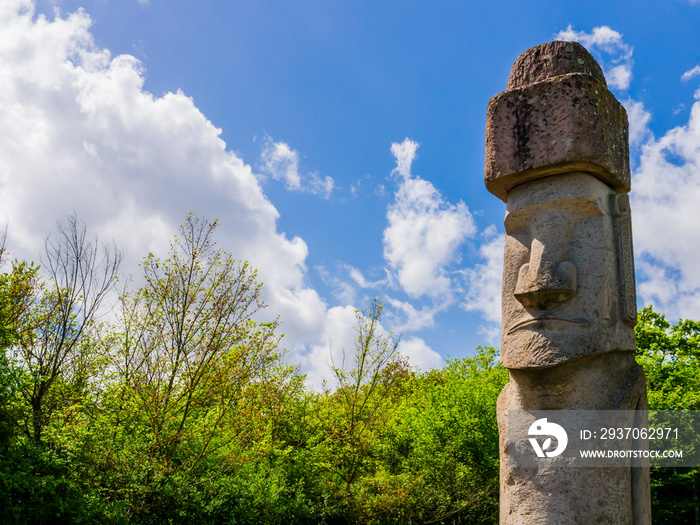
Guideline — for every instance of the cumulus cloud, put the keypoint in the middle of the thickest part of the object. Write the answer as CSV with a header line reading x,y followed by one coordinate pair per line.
x,y
691,73
608,44
639,119
424,232
619,76
482,283
79,133
280,161
419,354
602,37
665,194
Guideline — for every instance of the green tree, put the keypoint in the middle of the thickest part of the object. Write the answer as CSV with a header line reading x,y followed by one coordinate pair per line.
x,y
364,393
346,422
189,364
17,294
48,322
440,451
670,355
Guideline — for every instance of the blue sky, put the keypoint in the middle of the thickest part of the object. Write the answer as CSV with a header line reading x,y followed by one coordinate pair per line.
x,y
341,145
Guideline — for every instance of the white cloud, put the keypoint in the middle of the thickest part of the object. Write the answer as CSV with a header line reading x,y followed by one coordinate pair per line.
x,y
280,161
345,291
11,7
357,276
665,193
320,186
419,354
482,283
405,154
691,73
349,285
337,348
602,37
79,133
617,64
639,119
412,319
424,233
619,76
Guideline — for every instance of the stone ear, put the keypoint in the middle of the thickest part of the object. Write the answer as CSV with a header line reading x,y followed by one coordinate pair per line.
x,y
622,225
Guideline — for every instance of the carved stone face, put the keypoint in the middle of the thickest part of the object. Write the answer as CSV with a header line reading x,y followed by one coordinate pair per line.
x,y
561,292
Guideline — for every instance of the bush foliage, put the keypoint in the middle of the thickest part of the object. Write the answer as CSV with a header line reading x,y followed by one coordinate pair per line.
x,y
181,409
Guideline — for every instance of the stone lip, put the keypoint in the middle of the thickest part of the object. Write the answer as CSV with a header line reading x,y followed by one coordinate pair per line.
x,y
565,123
550,60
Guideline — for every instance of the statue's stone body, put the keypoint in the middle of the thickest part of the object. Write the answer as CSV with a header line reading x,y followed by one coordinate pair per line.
x,y
557,152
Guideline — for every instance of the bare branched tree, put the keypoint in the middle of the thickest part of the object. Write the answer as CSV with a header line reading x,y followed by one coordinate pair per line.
x,y
81,273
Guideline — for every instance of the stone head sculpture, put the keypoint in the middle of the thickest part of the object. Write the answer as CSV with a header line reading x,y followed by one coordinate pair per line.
x,y
557,153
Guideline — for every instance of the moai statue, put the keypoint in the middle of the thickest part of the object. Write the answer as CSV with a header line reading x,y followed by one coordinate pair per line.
x,y
557,152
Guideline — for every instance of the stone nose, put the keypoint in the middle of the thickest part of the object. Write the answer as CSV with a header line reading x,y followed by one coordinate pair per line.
x,y
548,279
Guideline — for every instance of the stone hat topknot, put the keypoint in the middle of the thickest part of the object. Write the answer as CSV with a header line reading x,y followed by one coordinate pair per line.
x,y
556,116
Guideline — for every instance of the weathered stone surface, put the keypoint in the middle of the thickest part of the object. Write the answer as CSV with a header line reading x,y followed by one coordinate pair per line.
x,y
561,297
574,496
557,152
551,126
553,59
